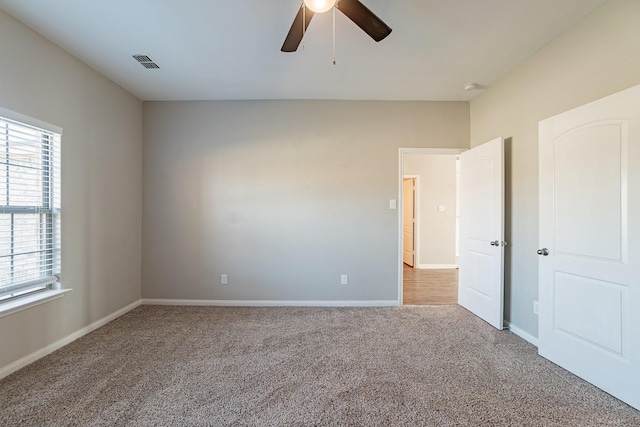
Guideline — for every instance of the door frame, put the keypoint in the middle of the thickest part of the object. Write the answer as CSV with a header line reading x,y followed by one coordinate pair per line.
x,y
400,204
416,215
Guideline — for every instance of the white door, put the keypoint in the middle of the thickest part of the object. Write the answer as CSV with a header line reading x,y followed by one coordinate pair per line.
x,y
409,221
481,275
589,264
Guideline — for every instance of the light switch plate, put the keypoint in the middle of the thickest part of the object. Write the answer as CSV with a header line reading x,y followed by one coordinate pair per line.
x,y
392,204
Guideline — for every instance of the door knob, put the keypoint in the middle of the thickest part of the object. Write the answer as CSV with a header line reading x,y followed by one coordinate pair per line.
x,y
495,243
543,252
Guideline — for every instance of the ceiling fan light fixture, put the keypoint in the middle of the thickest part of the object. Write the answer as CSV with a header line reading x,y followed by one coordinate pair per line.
x,y
319,6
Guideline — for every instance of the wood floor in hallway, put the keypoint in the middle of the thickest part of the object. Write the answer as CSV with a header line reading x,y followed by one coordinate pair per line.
x,y
429,287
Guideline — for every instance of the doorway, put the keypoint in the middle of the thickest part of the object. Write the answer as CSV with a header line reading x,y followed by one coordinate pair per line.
x,y
429,276
409,189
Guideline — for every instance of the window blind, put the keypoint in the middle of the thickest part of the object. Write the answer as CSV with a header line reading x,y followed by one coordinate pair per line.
x,y
29,208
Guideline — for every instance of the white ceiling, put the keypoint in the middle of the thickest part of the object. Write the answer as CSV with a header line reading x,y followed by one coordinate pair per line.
x,y
214,49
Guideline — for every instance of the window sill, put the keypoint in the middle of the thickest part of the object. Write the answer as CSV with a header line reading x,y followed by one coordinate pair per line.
x,y
10,307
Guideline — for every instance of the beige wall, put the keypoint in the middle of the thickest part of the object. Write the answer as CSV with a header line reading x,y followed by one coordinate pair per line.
x,y
283,196
101,185
599,56
437,230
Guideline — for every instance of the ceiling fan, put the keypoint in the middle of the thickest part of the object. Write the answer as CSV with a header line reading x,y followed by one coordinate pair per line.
x,y
356,11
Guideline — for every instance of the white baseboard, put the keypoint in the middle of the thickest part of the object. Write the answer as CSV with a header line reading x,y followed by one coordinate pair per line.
x,y
522,334
260,303
21,363
435,266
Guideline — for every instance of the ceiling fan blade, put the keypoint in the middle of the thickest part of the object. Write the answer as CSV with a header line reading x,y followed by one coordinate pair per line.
x,y
364,19
295,35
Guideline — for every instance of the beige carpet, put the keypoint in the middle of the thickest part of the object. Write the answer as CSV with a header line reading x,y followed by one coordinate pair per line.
x,y
410,366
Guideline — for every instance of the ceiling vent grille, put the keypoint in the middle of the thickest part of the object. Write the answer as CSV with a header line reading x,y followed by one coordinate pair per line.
x,y
146,61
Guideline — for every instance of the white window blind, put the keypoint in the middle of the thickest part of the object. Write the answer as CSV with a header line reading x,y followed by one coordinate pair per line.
x,y
29,208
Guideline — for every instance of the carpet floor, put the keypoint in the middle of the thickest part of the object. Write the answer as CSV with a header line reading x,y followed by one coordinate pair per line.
x,y
210,366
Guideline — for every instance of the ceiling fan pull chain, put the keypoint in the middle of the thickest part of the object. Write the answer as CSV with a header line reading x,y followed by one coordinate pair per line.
x,y
304,21
334,35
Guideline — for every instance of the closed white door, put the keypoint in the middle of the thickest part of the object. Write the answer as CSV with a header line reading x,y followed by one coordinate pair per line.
x,y
481,275
409,221
589,255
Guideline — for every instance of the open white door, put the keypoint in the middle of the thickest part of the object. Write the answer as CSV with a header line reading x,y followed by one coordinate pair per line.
x,y
589,266
409,221
481,276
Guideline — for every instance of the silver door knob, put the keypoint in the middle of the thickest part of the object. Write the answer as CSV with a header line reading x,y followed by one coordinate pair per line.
x,y
543,252
495,243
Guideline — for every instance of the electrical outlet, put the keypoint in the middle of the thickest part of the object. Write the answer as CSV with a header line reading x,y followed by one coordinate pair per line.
x,y
343,279
223,279
535,307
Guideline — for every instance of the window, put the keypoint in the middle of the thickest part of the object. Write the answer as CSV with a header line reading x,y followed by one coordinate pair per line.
x,y
29,208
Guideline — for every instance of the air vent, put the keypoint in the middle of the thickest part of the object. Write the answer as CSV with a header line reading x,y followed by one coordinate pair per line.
x,y
146,61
